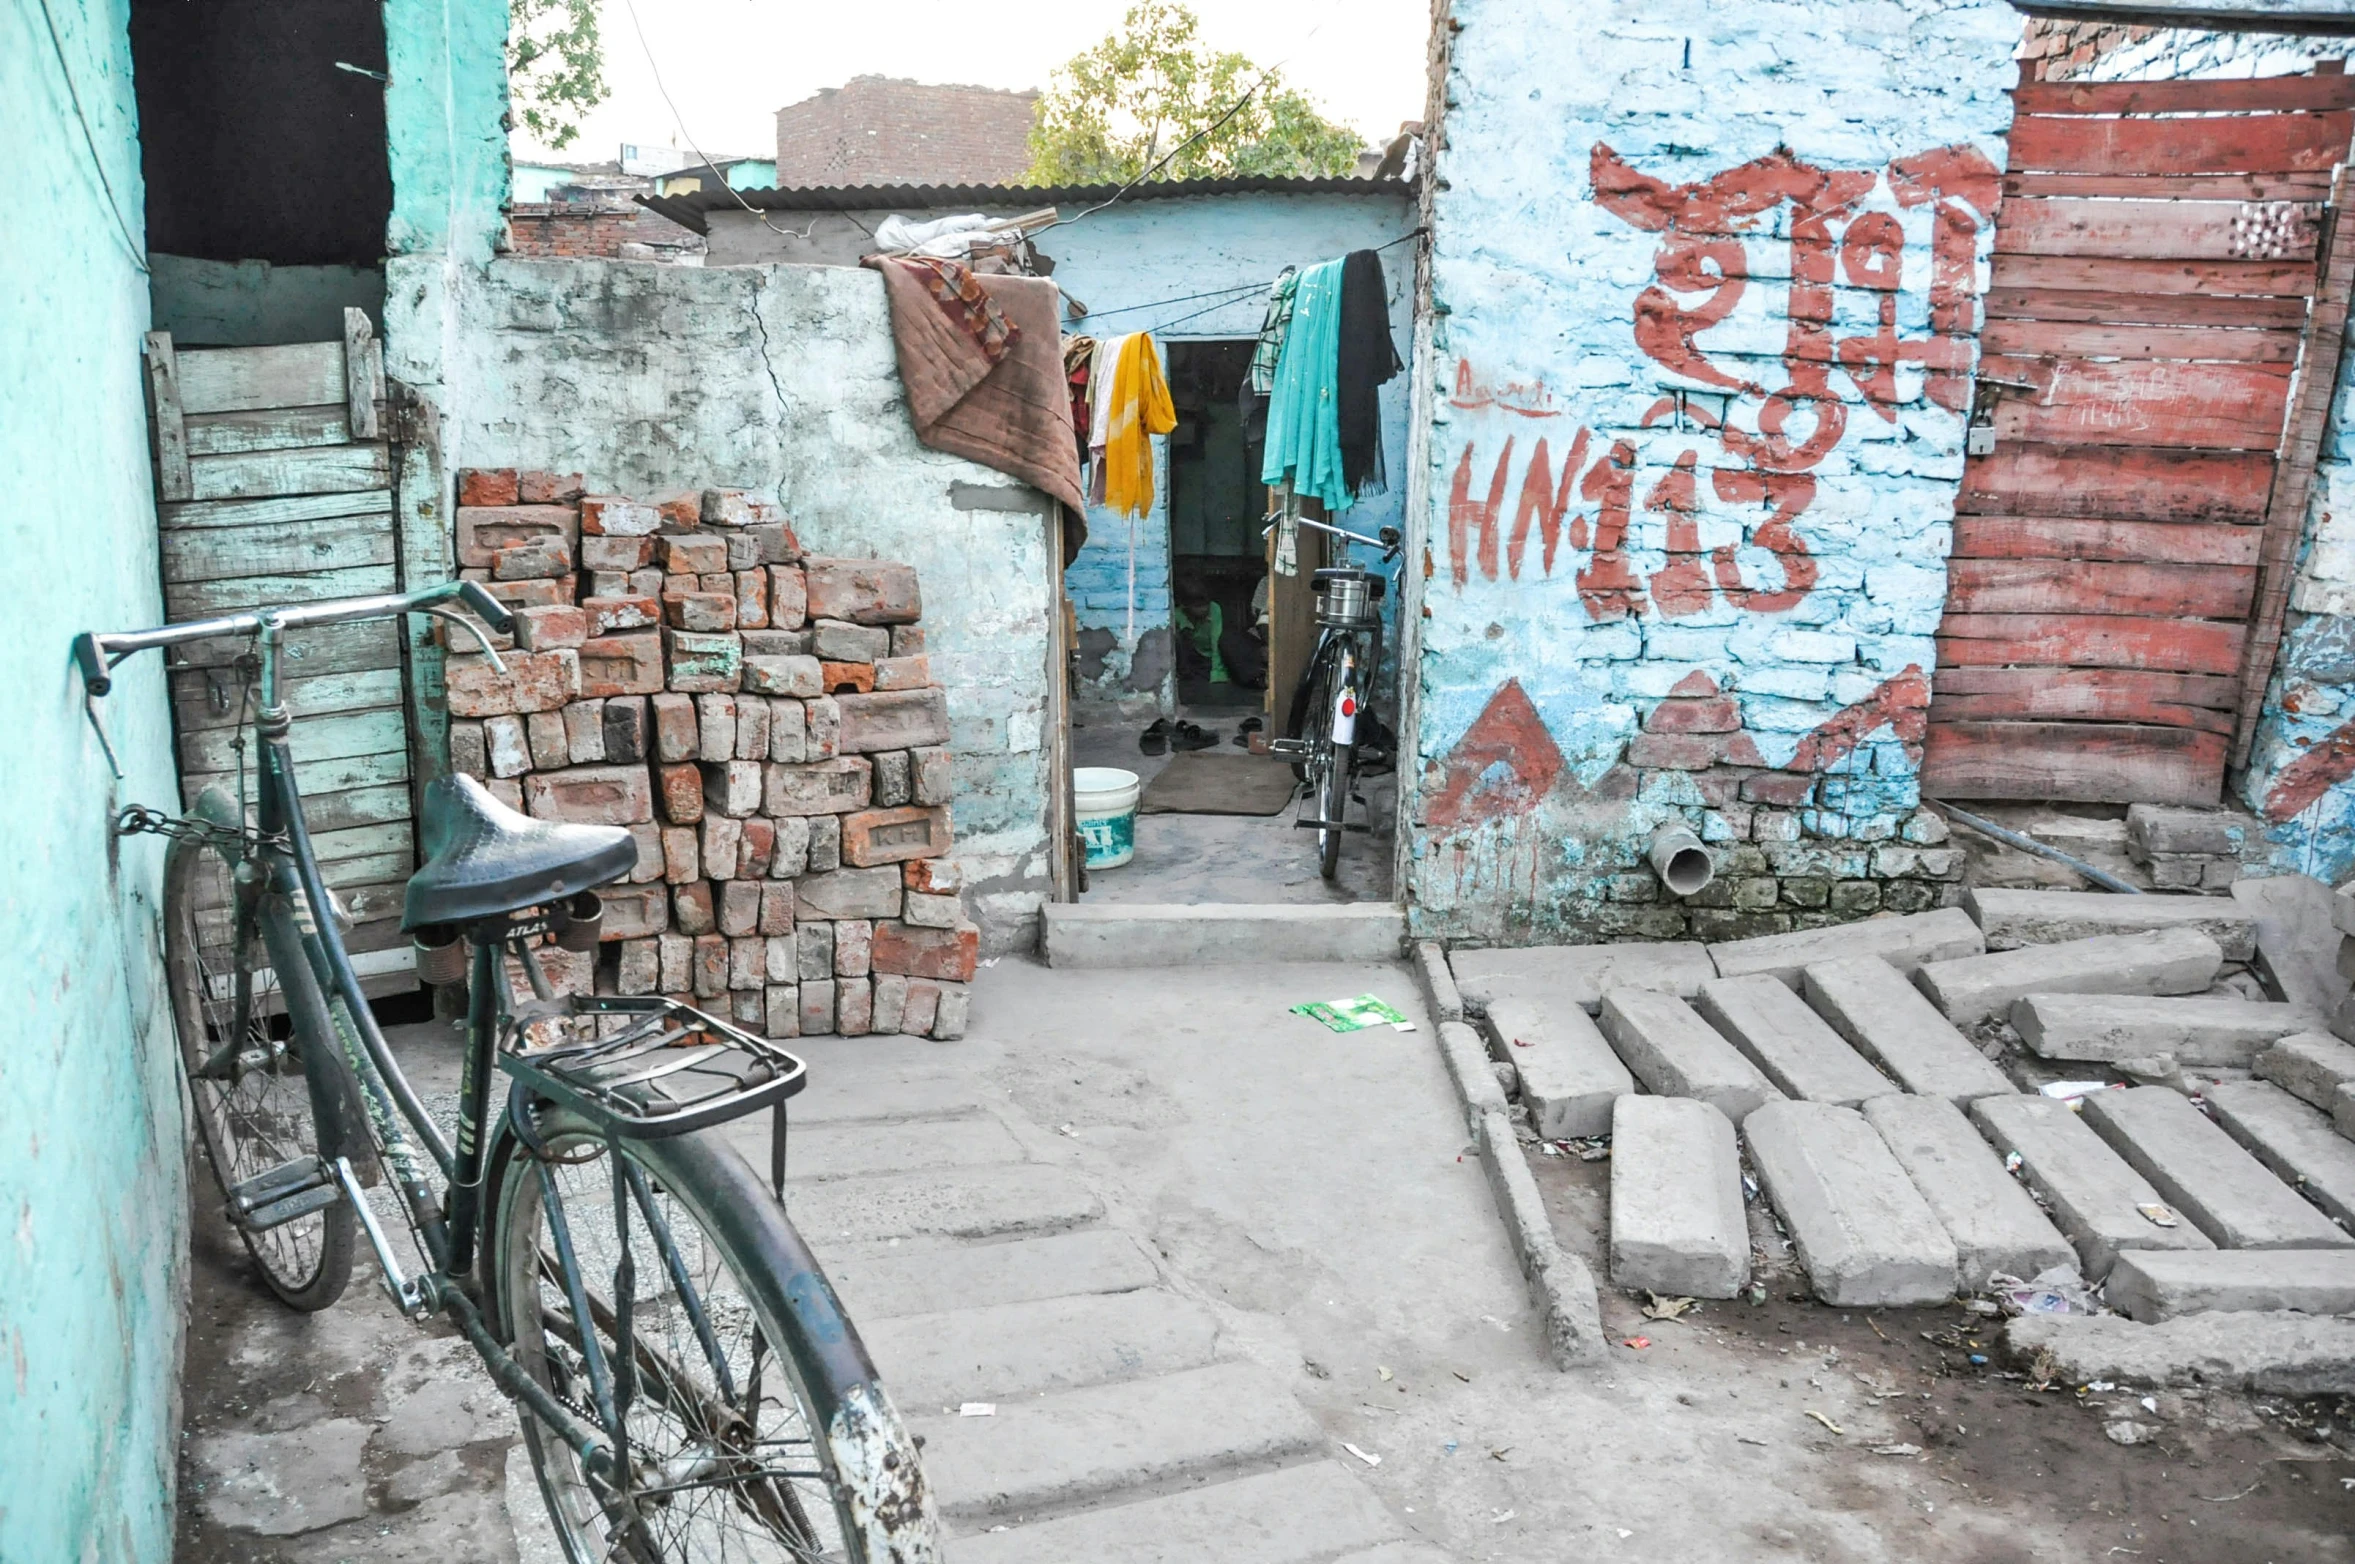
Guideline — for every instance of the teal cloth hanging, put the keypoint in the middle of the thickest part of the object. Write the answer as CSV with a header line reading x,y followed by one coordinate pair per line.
x,y
1304,411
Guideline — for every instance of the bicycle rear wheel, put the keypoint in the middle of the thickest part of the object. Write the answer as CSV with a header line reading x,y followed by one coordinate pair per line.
x,y
756,1430
244,1067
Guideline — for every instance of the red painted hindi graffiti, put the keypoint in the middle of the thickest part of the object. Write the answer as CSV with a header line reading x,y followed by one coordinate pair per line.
x,y
2312,774
1781,416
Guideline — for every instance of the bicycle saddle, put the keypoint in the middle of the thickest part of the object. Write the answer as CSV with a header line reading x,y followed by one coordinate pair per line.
x,y
483,858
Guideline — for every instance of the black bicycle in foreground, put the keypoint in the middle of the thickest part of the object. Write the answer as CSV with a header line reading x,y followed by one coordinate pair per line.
x,y
689,1386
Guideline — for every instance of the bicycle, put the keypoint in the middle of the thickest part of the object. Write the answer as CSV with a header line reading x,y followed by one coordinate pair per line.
x,y
1333,696
688,1384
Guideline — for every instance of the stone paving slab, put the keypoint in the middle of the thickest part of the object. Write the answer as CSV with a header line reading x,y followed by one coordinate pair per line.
x,y
2296,1142
2093,1194
838,1150
1579,974
2200,1171
1865,1234
2013,918
1295,1515
2274,1353
1889,1021
2309,1065
1675,1053
936,1362
1996,1225
880,1282
2197,1029
2166,961
1789,1043
1904,942
2296,942
1569,1075
1677,1222
957,1203
2153,1285
1038,1453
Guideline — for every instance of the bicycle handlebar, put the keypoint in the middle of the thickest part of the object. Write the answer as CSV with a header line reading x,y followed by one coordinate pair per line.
x,y
97,654
1388,542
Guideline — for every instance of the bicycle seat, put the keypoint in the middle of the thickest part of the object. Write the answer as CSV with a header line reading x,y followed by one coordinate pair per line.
x,y
483,858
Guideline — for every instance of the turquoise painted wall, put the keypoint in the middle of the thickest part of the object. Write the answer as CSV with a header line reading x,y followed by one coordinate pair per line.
x,y
443,112
92,1200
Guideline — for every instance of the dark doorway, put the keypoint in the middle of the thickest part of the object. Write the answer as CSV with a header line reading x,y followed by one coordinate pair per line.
x,y
1214,512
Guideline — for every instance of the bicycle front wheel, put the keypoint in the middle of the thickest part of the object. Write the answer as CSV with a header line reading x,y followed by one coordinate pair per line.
x,y
754,1428
244,1066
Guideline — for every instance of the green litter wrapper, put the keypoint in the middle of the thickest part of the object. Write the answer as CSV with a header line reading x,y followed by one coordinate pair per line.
x,y
1353,1015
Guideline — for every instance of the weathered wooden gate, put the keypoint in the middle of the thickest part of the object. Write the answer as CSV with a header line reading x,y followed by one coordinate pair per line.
x,y
274,485
2161,338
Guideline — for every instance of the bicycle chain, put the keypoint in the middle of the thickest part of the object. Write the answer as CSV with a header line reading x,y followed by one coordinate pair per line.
x,y
138,819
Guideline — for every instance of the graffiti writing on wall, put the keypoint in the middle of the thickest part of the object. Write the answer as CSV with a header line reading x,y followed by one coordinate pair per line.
x,y
1757,424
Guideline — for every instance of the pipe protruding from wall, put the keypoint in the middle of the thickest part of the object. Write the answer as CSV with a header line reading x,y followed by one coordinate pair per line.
x,y
1682,863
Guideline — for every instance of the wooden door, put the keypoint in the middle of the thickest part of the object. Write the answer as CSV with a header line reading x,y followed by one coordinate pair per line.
x,y
2157,273
274,485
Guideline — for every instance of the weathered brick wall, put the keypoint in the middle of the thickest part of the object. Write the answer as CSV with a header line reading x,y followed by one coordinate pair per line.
x,y
2113,51
764,724
569,230
1703,291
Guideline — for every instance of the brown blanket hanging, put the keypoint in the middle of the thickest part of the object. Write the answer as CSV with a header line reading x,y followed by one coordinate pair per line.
x,y
994,396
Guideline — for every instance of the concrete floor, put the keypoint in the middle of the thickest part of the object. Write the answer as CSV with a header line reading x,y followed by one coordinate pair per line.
x,y
1194,859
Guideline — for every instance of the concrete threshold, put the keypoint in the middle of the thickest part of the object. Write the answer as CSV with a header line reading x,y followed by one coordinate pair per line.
x,y
1078,934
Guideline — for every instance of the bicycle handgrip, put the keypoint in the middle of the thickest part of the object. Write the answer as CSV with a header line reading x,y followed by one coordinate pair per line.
x,y
92,662
489,609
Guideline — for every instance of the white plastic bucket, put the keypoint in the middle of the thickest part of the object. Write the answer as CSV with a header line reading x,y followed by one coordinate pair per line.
x,y
1105,803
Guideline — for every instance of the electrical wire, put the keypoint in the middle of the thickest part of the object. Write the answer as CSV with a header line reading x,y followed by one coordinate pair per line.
x,y
1183,298
114,207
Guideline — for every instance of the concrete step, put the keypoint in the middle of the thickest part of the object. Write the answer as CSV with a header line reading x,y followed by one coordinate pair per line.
x,y
1397,1553
1569,1075
2200,1171
1904,942
2274,1353
1083,934
2094,1196
1996,1225
2298,1143
830,1151
866,1080
2012,918
1677,1054
1297,1515
1789,1043
1084,1446
2166,961
880,1282
2312,1065
1677,1221
2151,1286
1580,974
940,1361
1887,1019
2198,1030
1022,1197
2296,941
1865,1234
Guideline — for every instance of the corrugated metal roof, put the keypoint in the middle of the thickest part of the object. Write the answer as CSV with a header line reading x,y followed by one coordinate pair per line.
x,y
872,198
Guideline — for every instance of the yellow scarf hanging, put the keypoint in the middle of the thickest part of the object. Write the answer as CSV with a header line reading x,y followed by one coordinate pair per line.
x,y
1140,407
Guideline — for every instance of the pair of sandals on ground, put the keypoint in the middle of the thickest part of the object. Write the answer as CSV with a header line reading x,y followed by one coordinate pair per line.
x,y
1165,735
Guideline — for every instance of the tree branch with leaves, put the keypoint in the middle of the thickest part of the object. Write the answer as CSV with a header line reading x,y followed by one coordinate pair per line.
x,y
555,67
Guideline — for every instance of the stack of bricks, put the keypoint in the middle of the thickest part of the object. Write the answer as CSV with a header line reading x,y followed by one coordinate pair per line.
x,y
764,724
2188,849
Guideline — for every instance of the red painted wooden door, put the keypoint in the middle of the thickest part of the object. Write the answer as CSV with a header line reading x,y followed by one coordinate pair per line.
x,y
2155,265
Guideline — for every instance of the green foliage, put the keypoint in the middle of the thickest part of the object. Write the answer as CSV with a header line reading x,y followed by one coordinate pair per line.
x,y
555,66
1116,110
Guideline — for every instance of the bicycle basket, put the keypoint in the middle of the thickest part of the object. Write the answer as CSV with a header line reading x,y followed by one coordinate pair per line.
x,y
644,1067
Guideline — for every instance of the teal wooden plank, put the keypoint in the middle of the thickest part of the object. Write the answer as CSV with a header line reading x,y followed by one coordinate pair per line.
x,y
202,599
236,380
327,469
275,512
319,776
271,429
322,738
233,553
362,841
211,699
322,649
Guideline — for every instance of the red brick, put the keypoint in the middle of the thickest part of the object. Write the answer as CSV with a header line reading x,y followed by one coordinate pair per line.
x,y
1672,751
677,734
691,909
681,510
921,1008
932,876
645,583
854,1007
535,559
483,530
612,665
698,661
1718,786
616,553
555,626
732,787
1695,683
759,849
847,678
682,855
534,681
752,599
903,719
776,906
752,727
932,912
634,912
799,677
825,787
526,594
611,515
743,549
590,795
719,583
682,792
854,947
738,508
1718,714
723,845
544,733
695,554
548,488
704,612
748,966
739,908
1787,789
863,591
903,673
648,837
715,727
873,836
950,954
907,640
584,734
789,601
817,1009
935,779
711,966
486,486
609,615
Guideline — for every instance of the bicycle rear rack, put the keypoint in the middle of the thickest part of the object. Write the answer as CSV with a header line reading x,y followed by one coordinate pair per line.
x,y
667,1068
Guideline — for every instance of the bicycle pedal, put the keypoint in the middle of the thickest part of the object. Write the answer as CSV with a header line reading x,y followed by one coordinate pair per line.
x,y
276,1196
1289,749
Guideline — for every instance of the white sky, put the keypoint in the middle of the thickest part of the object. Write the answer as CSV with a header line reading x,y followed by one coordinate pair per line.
x,y
731,64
